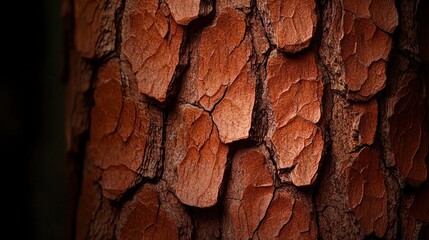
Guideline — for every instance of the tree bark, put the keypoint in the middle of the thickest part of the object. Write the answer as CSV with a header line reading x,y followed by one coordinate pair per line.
x,y
246,119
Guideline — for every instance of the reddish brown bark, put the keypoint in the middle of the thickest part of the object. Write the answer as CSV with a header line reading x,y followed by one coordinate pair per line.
x,y
238,119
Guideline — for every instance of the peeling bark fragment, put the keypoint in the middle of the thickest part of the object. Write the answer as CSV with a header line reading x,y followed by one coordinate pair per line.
x,y
222,55
95,28
219,78
152,214
198,154
299,145
295,92
249,193
408,138
355,49
151,42
294,88
367,195
233,115
289,216
291,24
364,49
125,137
184,12
382,12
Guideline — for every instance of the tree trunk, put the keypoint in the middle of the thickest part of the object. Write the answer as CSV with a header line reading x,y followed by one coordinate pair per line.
x,y
246,119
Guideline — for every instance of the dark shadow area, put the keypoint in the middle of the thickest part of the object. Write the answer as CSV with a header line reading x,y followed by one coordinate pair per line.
x,y
32,120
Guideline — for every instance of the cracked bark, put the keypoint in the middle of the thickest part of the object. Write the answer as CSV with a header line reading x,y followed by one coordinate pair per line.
x,y
248,119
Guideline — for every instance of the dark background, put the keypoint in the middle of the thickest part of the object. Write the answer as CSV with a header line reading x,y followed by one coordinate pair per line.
x,y
32,93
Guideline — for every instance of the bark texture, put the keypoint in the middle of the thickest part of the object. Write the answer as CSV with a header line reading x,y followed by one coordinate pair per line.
x,y
248,119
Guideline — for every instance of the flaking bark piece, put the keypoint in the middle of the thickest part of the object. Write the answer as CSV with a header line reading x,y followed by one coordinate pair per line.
x,y
291,23
356,45
221,55
233,115
364,50
249,193
382,12
200,157
289,216
153,214
220,79
120,133
186,11
151,42
367,194
295,94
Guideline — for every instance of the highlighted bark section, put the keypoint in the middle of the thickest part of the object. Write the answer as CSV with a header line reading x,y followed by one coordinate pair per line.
x,y
184,12
200,157
367,193
223,53
295,93
249,193
160,216
219,78
120,132
291,23
95,29
289,216
233,115
151,42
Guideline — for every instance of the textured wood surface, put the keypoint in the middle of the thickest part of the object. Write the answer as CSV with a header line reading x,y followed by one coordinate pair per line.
x,y
239,119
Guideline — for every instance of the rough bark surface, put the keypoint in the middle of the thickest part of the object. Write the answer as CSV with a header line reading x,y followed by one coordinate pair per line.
x,y
248,119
